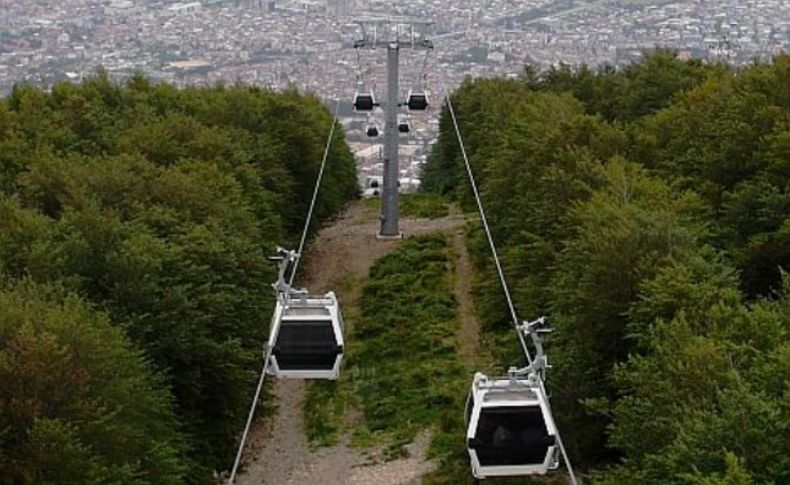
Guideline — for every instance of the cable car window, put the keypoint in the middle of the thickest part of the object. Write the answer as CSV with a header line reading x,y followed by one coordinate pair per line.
x,y
364,102
417,102
306,344
513,435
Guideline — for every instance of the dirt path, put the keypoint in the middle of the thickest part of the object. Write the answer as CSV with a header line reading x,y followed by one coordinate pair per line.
x,y
468,329
339,258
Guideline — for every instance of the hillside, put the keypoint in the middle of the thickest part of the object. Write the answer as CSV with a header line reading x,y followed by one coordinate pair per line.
x,y
645,211
142,216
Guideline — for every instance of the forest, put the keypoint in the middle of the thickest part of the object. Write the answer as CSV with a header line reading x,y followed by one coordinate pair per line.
x,y
644,210
135,224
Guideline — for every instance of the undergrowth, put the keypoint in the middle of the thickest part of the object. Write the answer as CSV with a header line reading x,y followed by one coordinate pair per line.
x,y
429,206
424,206
402,371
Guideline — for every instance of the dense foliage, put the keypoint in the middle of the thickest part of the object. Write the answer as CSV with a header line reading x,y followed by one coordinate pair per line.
x,y
645,210
423,205
64,370
159,206
413,374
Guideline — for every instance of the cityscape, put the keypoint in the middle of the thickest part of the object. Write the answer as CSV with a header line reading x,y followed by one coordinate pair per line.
x,y
358,242
307,45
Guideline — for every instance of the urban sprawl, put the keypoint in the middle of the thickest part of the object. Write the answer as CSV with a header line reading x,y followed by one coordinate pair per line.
x,y
307,44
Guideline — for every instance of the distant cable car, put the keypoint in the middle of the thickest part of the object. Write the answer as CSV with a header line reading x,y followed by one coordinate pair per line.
x,y
510,430
364,101
403,125
306,337
372,131
417,100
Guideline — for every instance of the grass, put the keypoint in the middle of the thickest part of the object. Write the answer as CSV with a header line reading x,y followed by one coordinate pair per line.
x,y
429,206
425,206
402,373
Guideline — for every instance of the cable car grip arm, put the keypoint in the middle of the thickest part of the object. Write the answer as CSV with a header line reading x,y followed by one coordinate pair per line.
x,y
286,258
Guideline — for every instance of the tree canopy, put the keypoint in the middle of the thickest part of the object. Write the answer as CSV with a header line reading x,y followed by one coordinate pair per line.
x,y
160,206
645,211
79,404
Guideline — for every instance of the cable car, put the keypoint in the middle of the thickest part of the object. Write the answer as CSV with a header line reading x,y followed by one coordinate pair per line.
x,y
403,125
372,131
364,101
307,337
510,430
417,100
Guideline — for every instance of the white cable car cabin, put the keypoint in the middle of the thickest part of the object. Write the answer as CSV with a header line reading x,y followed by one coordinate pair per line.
x,y
307,340
364,101
510,430
306,333
403,125
417,100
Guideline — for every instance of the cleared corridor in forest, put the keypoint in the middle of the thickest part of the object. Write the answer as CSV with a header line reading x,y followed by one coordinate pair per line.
x,y
340,258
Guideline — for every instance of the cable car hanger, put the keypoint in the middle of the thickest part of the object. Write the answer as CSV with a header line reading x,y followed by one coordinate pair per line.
x,y
403,124
372,130
535,372
364,100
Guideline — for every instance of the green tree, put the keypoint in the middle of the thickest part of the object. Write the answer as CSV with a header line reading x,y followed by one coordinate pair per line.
x,y
710,385
662,275
159,205
637,90
620,236
78,404
172,252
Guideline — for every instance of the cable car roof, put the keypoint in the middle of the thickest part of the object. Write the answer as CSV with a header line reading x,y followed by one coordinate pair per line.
x,y
526,396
